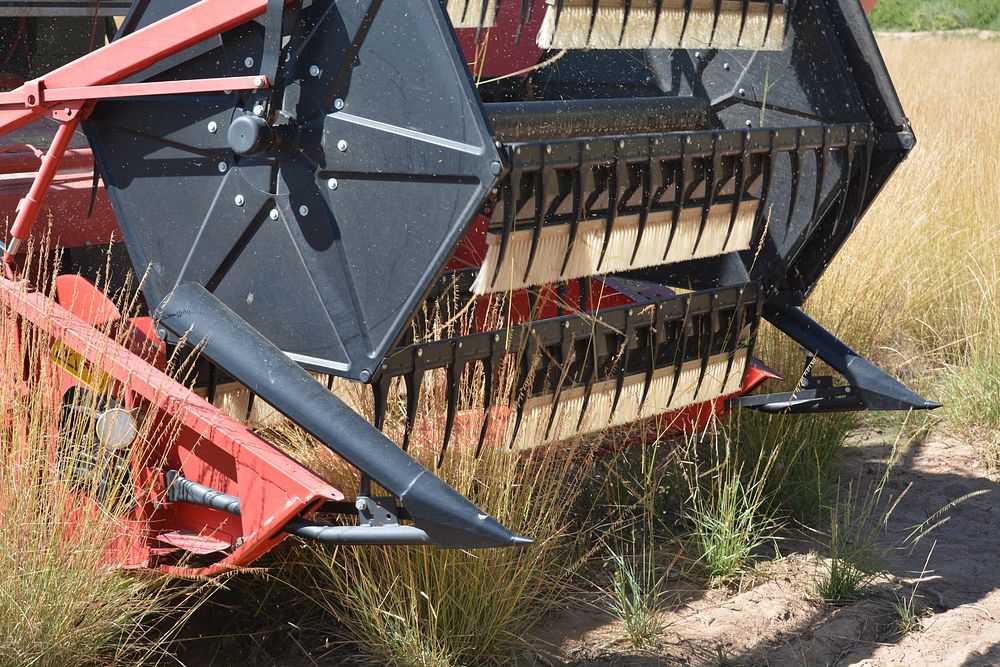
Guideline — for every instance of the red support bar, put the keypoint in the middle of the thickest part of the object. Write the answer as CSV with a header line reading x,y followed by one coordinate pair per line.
x,y
135,52
27,210
50,96
211,448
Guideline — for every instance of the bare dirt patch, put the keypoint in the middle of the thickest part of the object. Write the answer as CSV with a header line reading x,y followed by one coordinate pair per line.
x,y
781,621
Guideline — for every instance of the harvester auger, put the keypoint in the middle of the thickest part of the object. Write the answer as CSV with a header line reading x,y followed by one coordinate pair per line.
x,y
632,185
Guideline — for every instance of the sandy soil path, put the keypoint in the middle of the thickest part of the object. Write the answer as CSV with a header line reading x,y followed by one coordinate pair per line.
x,y
781,622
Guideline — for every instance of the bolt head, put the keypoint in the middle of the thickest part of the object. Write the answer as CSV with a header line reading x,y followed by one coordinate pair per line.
x,y
258,109
332,184
742,91
365,375
213,127
725,66
303,210
361,504
749,123
240,200
273,214
248,62
314,70
342,146
223,167
338,104
258,82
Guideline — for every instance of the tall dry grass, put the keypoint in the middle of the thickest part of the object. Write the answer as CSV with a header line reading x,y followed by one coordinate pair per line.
x,y
64,505
929,249
916,286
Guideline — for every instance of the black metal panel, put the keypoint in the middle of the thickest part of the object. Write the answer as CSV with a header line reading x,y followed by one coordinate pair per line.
x,y
88,8
327,241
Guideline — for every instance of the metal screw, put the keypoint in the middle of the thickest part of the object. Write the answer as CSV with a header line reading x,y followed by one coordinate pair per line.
x,y
332,184
725,66
742,91
548,149
303,210
248,62
222,167
495,168
314,70
697,54
342,146
258,109
749,123
213,127
273,214
361,504
365,375
420,353
239,200
258,82
338,104
161,333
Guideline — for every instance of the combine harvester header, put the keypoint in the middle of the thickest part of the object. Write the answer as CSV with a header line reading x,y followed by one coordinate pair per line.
x,y
617,191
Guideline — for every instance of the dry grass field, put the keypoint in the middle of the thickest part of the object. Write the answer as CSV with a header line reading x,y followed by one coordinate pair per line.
x,y
824,540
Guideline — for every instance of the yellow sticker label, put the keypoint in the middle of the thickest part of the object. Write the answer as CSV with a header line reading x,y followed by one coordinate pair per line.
x,y
75,364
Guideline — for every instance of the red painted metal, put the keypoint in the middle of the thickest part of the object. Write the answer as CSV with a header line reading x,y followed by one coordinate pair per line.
x,y
43,96
135,52
187,434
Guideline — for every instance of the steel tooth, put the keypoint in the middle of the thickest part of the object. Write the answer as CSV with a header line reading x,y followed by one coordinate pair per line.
x,y
627,11
707,342
212,384
380,391
647,200
770,21
617,183
583,299
716,13
250,400
595,5
765,188
658,12
848,173
684,337
413,381
521,390
820,179
741,181
684,25
559,11
522,20
491,367
566,358
683,164
540,212
654,350
483,13
744,12
574,223
455,370
465,11
795,160
626,350
732,341
588,386
511,194
712,169
866,167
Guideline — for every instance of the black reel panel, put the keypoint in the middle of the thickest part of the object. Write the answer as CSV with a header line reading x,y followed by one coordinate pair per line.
x,y
321,211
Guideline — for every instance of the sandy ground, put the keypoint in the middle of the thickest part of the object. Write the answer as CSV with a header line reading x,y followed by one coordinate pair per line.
x,y
780,621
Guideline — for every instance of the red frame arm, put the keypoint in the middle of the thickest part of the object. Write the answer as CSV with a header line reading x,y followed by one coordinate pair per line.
x,y
98,74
